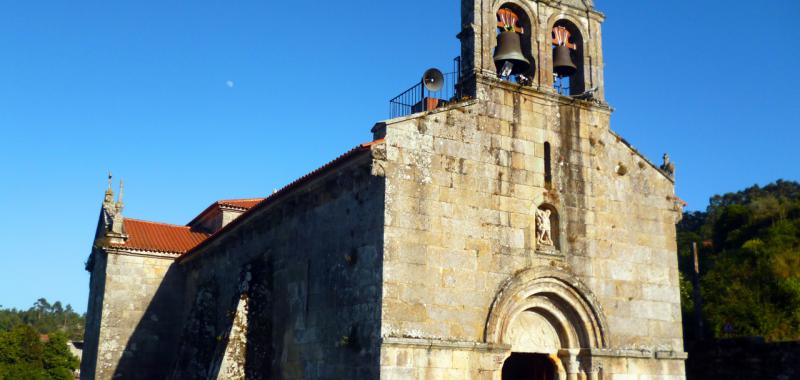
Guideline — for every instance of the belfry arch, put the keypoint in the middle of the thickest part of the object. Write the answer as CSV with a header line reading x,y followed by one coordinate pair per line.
x,y
547,312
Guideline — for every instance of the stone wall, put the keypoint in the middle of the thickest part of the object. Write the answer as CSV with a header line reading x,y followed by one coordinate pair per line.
x,y
137,321
630,261
463,185
294,291
97,268
403,359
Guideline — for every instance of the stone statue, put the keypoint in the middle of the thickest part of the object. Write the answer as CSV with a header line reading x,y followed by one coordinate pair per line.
x,y
668,166
543,229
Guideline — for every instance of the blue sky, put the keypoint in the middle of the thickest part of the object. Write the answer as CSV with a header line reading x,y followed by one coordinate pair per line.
x,y
195,101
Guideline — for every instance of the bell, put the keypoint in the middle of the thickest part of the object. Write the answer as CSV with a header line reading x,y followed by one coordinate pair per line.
x,y
562,62
509,49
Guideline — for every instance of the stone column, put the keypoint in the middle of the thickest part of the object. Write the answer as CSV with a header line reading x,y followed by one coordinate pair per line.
x,y
570,359
591,368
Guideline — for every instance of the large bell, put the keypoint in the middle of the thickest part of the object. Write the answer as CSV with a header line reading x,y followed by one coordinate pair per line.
x,y
562,62
509,49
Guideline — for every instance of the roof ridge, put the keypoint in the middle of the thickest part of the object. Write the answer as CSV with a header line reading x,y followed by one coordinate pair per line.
x,y
286,188
241,200
373,142
157,223
226,203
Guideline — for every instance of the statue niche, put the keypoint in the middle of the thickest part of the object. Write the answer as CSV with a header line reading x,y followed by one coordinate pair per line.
x,y
547,229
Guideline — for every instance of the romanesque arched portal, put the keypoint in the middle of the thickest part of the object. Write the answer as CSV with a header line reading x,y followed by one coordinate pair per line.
x,y
545,312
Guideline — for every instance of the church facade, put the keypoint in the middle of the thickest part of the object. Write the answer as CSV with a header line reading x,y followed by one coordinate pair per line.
x,y
505,233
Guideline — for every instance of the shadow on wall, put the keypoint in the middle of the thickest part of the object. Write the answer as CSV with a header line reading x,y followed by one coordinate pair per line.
x,y
145,356
199,331
229,337
232,337
258,354
297,294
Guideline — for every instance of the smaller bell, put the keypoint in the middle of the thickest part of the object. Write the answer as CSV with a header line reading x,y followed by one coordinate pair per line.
x,y
509,49
562,62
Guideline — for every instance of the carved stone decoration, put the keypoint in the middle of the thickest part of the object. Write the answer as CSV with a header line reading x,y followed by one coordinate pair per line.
x,y
668,167
544,233
531,332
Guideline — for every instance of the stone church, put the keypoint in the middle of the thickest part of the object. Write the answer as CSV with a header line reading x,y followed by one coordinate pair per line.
x,y
501,231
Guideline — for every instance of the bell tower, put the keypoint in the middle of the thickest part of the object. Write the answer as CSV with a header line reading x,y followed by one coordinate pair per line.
x,y
549,46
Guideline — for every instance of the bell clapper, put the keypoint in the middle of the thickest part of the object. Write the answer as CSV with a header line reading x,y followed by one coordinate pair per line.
x,y
508,67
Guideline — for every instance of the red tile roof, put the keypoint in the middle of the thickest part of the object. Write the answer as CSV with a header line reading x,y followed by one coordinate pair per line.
x,y
240,203
160,237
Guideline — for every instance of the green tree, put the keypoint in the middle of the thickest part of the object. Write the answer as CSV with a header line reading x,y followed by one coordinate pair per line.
x,y
57,360
24,355
751,261
34,342
21,354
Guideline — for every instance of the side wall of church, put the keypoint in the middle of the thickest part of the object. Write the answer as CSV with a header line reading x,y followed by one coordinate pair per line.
x,y
93,315
293,292
138,295
463,186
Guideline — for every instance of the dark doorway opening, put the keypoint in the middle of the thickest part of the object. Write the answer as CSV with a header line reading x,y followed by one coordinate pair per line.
x,y
528,367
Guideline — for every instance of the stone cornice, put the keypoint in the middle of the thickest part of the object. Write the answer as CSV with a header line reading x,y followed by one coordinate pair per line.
x,y
141,253
444,344
635,354
428,343
462,104
538,92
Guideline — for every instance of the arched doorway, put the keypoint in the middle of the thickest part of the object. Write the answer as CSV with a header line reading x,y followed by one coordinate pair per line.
x,y
535,342
521,366
551,322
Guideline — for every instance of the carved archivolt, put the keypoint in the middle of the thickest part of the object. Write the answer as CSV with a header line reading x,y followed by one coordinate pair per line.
x,y
575,319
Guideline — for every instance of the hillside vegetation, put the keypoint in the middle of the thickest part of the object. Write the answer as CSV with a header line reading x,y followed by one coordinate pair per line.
x,y
33,342
750,263
45,318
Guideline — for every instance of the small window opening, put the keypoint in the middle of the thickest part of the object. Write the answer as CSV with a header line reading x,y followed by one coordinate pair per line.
x,y
548,168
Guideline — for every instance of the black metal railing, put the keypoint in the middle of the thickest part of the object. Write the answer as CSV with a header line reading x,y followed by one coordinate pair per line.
x,y
420,99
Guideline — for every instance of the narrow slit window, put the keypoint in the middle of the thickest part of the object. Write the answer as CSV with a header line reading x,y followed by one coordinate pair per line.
x,y
548,168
